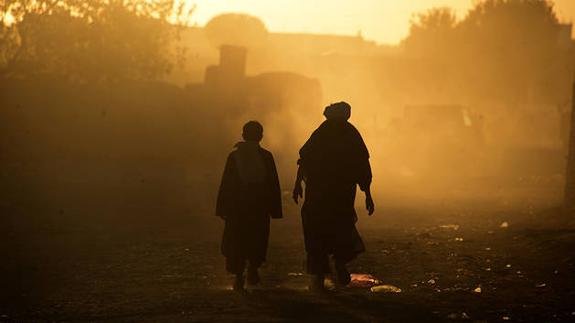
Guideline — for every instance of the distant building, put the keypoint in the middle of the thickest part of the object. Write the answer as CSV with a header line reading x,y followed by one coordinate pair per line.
x,y
281,51
272,97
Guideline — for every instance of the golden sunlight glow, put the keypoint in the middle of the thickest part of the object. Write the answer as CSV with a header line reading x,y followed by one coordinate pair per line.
x,y
187,7
8,19
385,21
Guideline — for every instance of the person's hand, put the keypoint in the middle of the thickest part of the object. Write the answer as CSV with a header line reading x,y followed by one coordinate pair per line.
x,y
297,192
369,204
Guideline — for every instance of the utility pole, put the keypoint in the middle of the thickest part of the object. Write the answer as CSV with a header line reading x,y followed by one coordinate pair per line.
x,y
569,202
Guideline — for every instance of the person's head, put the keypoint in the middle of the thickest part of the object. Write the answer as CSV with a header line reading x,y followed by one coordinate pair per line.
x,y
253,131
340,111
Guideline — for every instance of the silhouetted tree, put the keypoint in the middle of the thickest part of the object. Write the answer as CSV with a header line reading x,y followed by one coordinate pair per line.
x,y
514,41
431,33
506,50
90,40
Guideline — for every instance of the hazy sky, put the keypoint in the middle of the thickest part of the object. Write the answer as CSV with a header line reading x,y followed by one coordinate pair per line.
x,y
385,21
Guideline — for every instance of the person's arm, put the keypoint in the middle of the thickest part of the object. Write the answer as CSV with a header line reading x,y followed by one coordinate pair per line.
x,y
365,185
364,174
369,205
298,189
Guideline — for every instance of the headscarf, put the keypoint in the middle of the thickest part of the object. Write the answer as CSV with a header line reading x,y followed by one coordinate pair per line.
x,y
338,111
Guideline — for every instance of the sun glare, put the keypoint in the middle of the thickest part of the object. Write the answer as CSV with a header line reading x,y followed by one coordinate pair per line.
x,y
8,19
384,21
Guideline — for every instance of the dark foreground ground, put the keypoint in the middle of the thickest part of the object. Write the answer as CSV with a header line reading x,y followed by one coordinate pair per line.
x,y
451,262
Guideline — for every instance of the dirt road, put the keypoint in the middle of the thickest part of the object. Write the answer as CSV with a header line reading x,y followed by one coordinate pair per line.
x,y
451,264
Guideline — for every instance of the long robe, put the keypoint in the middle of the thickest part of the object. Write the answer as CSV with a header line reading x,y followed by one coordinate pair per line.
x,y
334,161
248,197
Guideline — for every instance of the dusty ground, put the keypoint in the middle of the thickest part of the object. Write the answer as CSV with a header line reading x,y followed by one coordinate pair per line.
x,y
174,272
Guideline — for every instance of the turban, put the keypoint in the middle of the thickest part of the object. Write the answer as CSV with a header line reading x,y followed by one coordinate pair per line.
x,y
338,111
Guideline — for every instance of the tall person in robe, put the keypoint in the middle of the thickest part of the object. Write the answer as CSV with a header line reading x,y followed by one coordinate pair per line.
x,y
249,196
332,163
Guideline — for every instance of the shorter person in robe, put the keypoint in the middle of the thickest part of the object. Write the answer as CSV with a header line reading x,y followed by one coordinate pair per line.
x,y
249,196
332,163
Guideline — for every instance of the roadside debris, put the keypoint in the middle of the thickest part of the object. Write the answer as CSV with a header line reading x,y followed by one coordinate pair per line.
x,y
385,289
457,316
454,227
504,225
477,290
363,281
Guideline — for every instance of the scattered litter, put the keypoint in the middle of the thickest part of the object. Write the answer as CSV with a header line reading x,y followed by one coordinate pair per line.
x,y
386,289
459,239
488,249
508,265
295,274
363,280
541,285
187,249
477,290
505,318
519,272
490,232
488,269
414,285
329,284
457,316
556,272
450,226
431,281
504,225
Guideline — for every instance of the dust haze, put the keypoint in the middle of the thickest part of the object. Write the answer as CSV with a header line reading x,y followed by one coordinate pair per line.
x,y
117,118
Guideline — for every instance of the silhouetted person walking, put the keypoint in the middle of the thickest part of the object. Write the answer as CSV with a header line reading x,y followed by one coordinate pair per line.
x,y
249,195
332,162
